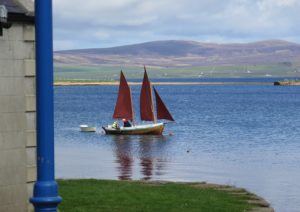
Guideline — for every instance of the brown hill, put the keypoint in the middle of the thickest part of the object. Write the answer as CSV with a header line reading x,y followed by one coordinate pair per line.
x,y
175,53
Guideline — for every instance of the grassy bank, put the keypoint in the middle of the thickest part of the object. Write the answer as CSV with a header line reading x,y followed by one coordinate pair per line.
x,y
112,72
116,83
109,195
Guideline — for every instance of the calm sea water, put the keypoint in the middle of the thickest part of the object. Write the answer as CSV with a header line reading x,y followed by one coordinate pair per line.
x,y
242,135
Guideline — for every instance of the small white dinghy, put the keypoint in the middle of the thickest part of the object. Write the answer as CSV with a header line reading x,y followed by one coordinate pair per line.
x,y
87,128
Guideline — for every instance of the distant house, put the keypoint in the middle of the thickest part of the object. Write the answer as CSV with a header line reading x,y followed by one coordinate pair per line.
x,y
17,105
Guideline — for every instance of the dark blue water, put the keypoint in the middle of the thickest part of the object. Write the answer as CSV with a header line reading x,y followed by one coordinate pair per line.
x,y
242,135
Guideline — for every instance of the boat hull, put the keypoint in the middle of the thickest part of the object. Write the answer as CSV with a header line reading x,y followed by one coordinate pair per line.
x,y
86,128
148,129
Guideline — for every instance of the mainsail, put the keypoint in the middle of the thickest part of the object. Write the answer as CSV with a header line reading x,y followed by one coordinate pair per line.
x,y
123,108
162,111
146,100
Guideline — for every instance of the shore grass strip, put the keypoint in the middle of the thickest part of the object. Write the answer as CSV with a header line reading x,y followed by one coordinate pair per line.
x,y
109,195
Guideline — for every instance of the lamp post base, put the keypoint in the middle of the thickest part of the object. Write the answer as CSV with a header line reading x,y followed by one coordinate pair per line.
x,y
45,198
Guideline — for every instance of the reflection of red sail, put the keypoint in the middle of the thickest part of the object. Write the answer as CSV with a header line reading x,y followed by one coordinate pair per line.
x,y
147,167
146,100
123,108
162,111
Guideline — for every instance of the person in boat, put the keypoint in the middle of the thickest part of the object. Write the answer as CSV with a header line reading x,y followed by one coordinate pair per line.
x,y
115,125
126,123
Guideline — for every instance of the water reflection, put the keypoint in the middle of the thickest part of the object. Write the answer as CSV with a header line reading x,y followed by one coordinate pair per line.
x,y
145,149
146,158
123,156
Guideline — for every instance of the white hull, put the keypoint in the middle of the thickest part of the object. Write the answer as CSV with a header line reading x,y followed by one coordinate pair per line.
x,y
154,129
86,128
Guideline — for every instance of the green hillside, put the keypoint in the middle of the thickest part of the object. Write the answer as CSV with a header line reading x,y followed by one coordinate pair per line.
x,y
111,72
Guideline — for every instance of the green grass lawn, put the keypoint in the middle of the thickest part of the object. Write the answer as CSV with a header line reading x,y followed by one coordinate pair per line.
x,y
109,195
112,72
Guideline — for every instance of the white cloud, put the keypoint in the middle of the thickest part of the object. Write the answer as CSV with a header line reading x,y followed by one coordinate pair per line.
x,y
94,23
278,3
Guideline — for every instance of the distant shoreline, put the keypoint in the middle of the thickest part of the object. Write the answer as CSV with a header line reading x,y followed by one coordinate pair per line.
x,y
115,83
287,82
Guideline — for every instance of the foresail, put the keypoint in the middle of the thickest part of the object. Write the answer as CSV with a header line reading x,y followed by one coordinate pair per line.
x,y
123,108
146,100
162,111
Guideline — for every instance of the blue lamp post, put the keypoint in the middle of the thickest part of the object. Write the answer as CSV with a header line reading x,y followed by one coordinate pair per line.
x,y
45,197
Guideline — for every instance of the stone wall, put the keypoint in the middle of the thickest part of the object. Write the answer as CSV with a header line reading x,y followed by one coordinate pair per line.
x,y
17,117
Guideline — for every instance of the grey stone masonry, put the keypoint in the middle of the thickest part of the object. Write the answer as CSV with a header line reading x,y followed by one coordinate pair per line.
x,y
18,117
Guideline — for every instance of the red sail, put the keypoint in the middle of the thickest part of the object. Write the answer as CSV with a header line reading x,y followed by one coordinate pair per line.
x,y
146,100
162,111
123,108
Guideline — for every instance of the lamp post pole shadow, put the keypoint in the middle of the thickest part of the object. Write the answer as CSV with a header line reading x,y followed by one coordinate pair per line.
x,y
45,194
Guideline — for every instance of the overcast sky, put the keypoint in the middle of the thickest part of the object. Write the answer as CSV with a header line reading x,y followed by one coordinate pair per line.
x,y
95,24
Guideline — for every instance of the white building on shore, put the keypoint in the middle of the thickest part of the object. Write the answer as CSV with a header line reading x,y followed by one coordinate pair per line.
x,y
17,105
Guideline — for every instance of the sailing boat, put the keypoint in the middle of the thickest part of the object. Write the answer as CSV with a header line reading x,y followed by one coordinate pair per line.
x,y
124,110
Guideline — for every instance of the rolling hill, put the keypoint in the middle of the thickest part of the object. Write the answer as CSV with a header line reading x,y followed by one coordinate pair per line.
x,y
180,54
